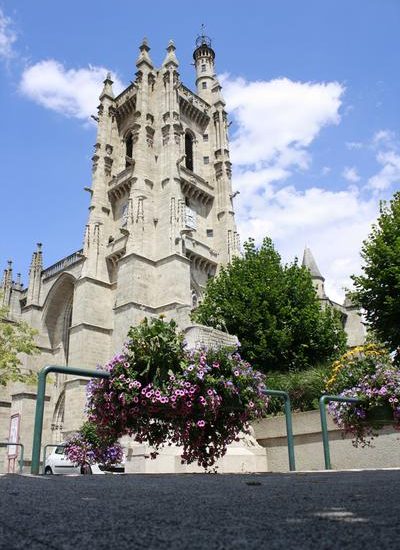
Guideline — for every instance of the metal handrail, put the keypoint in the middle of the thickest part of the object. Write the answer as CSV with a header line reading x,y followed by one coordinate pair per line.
x,y
39,412
289,425
324,425
21,458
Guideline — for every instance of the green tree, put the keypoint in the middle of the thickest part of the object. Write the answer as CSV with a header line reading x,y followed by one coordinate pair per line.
x,y
274,311
377,290
15,337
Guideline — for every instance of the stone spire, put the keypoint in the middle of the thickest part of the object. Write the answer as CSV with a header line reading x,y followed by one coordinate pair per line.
x,y
107,89
310,263
144,57
170,58
6,284
35,276
318,280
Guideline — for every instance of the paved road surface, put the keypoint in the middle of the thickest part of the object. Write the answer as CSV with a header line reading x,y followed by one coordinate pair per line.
x,y
354,510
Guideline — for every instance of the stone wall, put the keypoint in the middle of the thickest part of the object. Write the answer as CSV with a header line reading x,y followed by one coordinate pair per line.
x,y
271,434
210,337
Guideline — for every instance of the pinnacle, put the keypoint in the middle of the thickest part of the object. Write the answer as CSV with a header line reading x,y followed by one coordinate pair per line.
x,y
170,58
144,57
107,88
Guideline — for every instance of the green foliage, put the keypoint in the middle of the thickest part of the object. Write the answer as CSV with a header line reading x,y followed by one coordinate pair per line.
x,y
274,311
15,337
304,388
378,288
156,349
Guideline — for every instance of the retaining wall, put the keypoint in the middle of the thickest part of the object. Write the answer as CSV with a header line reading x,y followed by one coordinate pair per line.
x,y
271,434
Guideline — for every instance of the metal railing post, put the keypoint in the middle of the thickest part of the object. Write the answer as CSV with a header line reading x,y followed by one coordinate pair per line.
x,y
324,424
41,391
38,426
289,425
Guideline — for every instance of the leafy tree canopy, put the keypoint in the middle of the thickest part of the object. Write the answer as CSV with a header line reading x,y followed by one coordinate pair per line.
x,y
274,311
377,290
15,337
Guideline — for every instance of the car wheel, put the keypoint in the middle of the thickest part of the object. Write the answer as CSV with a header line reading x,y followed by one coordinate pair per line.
x,y
48,471
86,469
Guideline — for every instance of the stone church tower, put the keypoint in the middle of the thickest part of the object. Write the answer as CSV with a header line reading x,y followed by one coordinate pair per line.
x,y
160,223
161,219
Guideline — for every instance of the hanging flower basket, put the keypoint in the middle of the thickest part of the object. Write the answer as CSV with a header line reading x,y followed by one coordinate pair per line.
x,y
161,393
375,383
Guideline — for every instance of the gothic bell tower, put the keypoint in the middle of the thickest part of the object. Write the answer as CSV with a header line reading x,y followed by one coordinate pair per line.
x,y
161,220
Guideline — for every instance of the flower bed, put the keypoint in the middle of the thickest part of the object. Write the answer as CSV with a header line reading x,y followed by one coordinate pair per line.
x,y
161,393
374,380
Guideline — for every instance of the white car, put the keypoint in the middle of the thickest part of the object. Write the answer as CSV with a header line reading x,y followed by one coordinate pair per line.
x,y
58,463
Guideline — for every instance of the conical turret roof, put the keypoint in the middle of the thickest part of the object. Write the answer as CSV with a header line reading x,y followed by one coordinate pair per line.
x,y
310,263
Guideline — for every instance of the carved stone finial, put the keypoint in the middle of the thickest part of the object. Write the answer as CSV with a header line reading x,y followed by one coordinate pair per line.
x,y
170,58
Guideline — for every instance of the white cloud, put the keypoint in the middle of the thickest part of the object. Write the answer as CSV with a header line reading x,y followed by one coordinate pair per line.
x,y
277,120
71,92
389,174
7,36
332,223
350,174
385,137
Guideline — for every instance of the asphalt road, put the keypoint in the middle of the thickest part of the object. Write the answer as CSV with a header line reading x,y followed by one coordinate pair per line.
x,y
275,511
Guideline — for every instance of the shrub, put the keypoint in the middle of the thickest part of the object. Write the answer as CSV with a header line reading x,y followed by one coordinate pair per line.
x,y
304,388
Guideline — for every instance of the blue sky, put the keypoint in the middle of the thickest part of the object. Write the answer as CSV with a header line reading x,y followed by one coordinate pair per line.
x,y
312,88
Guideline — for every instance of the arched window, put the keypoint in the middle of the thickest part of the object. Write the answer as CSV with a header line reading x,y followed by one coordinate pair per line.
x,y
128,150
189,151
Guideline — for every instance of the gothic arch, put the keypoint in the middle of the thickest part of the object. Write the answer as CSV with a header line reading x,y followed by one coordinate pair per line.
x,y
57,315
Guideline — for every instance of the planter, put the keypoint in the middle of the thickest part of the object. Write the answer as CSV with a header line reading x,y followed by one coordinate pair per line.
x,y
380,415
